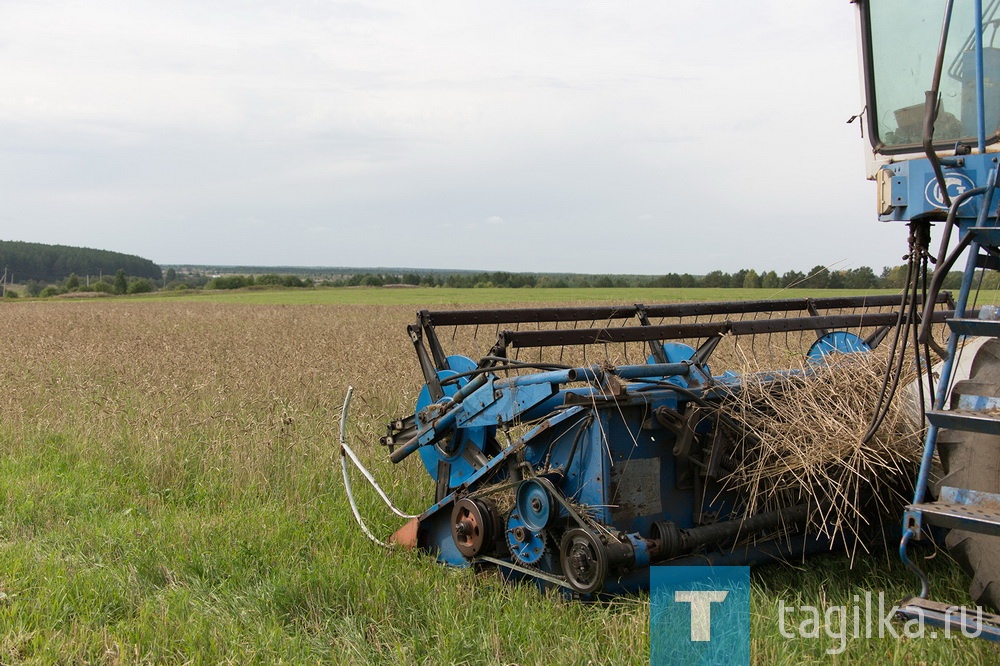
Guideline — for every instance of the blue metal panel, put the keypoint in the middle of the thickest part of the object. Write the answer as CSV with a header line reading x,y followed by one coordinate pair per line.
x,y
900,193
590,486
488,405
915,191
979,403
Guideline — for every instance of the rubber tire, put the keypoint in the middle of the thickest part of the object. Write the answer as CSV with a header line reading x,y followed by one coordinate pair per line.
x,y
972,460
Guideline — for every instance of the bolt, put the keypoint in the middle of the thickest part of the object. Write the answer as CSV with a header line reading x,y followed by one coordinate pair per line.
x,y
536,504
520,534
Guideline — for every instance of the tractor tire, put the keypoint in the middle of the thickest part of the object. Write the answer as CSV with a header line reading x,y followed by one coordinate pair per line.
x,y
972,460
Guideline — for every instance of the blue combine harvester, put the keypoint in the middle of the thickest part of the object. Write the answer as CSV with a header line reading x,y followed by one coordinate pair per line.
x,y
581,474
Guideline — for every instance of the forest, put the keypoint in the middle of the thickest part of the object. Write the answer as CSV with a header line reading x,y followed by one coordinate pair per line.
x,y
40,262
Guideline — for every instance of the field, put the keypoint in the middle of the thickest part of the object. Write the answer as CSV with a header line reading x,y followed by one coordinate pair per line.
x,y
171,492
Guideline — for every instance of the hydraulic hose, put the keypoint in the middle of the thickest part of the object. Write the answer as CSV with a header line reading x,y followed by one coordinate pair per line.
x,y
945,261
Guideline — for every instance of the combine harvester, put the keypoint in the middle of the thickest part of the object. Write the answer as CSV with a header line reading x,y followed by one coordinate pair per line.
x,y
578,446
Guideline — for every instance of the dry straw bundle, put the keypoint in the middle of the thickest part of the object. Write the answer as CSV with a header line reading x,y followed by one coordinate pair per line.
x,y
803,442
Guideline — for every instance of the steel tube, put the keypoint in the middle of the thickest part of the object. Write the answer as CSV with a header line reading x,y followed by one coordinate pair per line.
x,y
652,370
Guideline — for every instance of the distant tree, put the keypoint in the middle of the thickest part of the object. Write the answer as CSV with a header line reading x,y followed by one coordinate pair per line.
x,y
770,280
668,281
818,277
269,280
170,276
991,281
717,279
499,279
792,279
862,277
121,282
552,282
72,282
140,286
230,282
893,277
953,280
751,280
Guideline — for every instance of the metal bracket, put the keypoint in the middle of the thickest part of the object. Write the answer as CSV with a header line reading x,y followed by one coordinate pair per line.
x,y
968,622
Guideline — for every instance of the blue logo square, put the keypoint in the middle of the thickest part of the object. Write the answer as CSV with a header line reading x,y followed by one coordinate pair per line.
x,y
699,616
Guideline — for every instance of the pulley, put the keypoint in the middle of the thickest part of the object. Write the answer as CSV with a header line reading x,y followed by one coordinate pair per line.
x,y
526,545
474,526
534,504
584,560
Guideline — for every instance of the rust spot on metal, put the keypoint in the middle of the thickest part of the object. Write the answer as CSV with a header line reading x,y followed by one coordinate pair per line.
x,y
406,536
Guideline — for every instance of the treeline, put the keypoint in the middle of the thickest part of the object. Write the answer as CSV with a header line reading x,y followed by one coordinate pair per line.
x,y
39,262
819,277
120,283
116,284
266,280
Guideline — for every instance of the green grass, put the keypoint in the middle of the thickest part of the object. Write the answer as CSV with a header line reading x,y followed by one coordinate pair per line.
x,y
101,566
830,580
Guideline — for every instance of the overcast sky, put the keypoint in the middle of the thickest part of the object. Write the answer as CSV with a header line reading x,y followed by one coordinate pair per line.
x,y
621,137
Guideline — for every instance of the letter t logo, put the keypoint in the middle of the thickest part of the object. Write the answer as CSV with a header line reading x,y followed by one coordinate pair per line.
x,y
701,610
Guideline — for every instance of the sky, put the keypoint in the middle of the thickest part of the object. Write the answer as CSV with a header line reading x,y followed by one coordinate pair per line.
x,y
641,137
